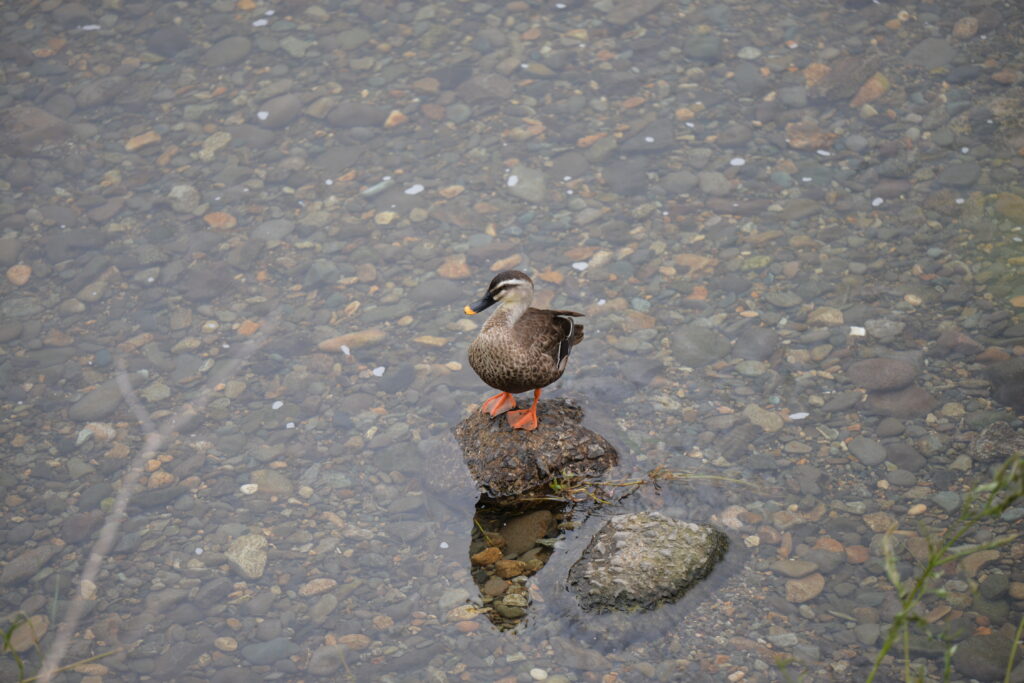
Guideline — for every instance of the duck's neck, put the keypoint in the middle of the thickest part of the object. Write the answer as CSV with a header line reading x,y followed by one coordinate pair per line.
x,y
508,314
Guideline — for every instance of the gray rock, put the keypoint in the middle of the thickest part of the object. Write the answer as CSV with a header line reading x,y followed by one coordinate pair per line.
x,y
357,114
949,501
679,182
962,174
247,555
931,53
868,451
326,660
25,565
714,183
98,403
527,183
706,48
983,657
696,346
269,652
279,111
10,247
229,51
640,561
275,229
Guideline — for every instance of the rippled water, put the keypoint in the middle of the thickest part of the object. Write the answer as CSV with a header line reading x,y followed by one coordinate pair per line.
x,y
745,199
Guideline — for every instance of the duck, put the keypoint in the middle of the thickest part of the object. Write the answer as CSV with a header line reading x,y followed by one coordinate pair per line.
x,y
519,348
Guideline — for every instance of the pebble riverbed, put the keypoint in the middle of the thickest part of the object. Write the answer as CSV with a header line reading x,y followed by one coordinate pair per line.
x,y
796,229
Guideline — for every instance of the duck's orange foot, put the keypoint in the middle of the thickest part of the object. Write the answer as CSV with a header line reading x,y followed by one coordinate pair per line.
x,y
525,419
498,404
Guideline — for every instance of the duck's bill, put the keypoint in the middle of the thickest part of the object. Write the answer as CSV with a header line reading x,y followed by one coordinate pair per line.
x,y
475,308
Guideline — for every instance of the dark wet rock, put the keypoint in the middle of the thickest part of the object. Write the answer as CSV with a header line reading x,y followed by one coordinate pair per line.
x,y
696,346
882,374
795,209
756,343
61,245
270,651
910,402
99,91
25,125
10,247
931,53
27,563
228,51
279,111
735,135
1007,378
996,443
748,80
641,561
326,660
984,657
99,403
506,463
868,451
357,114
962,174
168,41
740,207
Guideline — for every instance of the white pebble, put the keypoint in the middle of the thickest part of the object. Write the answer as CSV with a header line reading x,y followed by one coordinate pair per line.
x,y
249,489
443,545
199,551
824,153
958,200
345,350
538,674
737,161
965,150
799,416
857,331
90,27
260,22
807,179
691,124
877,201
262,115
414,189
276,405
580,265
648,138
289,425
566,178
378,371
269,13
329,181
602,302
513,180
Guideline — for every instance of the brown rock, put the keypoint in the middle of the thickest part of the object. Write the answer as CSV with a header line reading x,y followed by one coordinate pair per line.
x,y
508,569
485,557
910,402
882,374
965,28
353,340
19,274
1010,206
804,589
521,533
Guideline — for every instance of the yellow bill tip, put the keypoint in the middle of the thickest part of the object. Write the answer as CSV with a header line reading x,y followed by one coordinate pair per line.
x,y
469,311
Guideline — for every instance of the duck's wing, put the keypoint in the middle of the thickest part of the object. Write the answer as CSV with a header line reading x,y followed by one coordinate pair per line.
x,y
550,333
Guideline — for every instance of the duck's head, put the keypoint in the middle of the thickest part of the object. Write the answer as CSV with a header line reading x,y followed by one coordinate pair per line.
x,y
507,287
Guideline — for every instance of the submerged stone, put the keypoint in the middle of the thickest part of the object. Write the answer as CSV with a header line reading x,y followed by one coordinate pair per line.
x,y
641,561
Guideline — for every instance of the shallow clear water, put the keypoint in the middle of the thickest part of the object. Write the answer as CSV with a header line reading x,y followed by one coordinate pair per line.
x,y
745,199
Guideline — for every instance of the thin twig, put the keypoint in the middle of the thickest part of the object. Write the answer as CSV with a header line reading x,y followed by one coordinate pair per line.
x,y
155,439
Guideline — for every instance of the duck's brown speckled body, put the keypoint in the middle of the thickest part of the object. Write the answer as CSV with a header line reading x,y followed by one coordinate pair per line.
x,y
520,348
